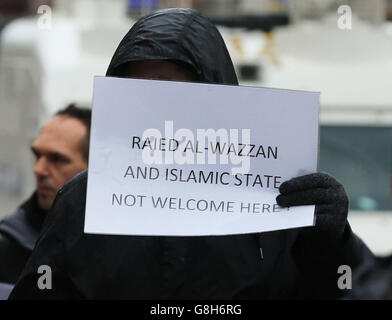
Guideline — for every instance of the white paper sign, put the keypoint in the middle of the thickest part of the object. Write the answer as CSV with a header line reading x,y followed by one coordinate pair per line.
x,y
156,169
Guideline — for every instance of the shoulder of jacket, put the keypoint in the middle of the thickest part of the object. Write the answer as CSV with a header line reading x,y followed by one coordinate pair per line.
x,y
77,182
17,227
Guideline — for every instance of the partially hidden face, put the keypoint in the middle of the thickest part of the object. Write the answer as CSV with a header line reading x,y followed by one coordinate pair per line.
x,y
58,156
157,70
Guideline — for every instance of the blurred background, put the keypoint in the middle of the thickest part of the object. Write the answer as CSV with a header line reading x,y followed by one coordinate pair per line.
x,y
51,50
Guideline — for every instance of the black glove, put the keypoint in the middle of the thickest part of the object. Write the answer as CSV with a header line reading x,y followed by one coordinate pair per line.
x,y
323,191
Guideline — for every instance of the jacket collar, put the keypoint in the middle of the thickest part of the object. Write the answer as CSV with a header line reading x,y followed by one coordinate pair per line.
x,y
24,224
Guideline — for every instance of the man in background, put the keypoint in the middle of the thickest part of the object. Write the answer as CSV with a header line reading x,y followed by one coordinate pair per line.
x,y
61,151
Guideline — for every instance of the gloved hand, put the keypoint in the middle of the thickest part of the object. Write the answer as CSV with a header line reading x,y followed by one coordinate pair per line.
x,y
323,191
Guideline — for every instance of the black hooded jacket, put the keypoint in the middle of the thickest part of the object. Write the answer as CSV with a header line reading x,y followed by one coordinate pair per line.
x,y
178,35
272,265
19,232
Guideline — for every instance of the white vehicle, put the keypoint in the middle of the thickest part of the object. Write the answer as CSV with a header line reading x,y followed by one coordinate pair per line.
x,y
353,71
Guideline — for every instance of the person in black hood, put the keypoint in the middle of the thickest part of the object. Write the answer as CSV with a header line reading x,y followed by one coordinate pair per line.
x,y
183,45
61,151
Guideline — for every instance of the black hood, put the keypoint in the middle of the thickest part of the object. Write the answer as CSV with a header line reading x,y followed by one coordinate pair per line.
x,y
178,35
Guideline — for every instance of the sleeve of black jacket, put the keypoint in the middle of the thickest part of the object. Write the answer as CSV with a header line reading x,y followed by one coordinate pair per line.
x,y
50,251
319,260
